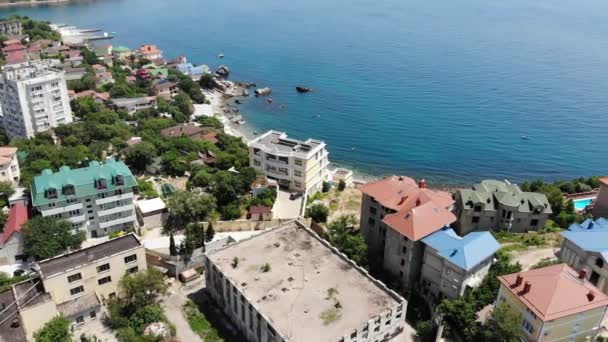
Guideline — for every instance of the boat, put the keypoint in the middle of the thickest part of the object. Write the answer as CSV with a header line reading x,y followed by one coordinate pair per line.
x,y
302,89
525,137
221,55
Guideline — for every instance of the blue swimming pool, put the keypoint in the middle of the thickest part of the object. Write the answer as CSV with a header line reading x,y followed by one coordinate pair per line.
x,y
580,204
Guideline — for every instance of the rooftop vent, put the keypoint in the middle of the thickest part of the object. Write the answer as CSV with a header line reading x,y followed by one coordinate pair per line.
x,y
422,184
590,296
453,253
582,274
518,281
527,287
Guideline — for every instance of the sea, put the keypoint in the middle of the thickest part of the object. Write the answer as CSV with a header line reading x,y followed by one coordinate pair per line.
x,y
450,91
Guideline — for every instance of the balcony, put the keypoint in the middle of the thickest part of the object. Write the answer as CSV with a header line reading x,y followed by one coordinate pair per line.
x,y
61,210
128,195
118,209
121,220
76,219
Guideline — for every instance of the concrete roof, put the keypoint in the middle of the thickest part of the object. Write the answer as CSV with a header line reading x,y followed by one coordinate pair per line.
x,y
465,252
84,256
489,193
304,272
555,291
278,143
150,205
79,305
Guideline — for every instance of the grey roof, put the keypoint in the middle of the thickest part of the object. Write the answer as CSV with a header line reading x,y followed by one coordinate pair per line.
x,y
279,142
59,264
492,193
79,305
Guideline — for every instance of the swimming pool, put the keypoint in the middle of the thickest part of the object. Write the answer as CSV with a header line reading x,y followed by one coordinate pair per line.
x,y
580,204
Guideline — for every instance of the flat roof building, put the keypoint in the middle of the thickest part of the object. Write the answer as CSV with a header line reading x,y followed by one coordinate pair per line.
x,y
288,284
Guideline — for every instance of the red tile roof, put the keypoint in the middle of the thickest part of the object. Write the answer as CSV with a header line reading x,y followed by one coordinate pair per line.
x,y
419,211
14,47
15,57
92,93
17,216
604,180
554,291
259,209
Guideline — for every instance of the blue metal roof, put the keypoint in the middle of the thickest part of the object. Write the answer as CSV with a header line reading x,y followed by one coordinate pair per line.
x,y
590,235
465,252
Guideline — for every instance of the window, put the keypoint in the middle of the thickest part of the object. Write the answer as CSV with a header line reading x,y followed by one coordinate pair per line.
x,y
534,223
101,183
74,277
297,173
93,314
103,268
68,190
371,221
51,193
527,326
403,250
402,262
132,270
475,219
599,262
119,180
104,280
256,162
372,210
76,290
130,258
477,208
298,161
80,320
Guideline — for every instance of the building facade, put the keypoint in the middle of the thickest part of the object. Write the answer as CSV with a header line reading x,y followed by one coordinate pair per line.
x,y
34,98
453,264
396,213
499,205
585,248
299,285
296,165
9,165
556,304
600,204
97,199
10,27
11,239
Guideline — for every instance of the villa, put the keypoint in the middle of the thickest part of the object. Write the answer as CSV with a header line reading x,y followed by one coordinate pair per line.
x,y
150,52
133,104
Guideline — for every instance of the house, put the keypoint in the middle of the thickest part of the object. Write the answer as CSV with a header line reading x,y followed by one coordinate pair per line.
x,y
396,214
72,73
341,174
121,52
259,213
98,68
15,57
204,158
193,71
11,239
152,212
296,165
9,165
585,248
96,199
102,50
155,71
97,97
600,205
453,264
279,285
500,205
133,104
165,89
104,77
556,303
132,141
192,131
149,52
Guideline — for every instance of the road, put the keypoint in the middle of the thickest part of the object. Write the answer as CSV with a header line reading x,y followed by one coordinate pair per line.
x,y
173,304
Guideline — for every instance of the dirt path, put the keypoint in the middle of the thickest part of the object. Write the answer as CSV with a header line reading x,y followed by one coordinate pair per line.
x,y
173,309
528,258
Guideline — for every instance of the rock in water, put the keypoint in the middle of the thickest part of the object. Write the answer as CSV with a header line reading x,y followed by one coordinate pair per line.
x,y
223,71
245,92
263,91
301,89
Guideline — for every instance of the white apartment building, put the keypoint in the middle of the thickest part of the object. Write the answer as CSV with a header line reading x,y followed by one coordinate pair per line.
x,y
34,98
97,199
9,165
295,165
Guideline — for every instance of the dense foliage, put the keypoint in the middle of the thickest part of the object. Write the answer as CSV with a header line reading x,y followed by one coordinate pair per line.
x,y
318,212
187,207
46,237
36,29
348,240
55,330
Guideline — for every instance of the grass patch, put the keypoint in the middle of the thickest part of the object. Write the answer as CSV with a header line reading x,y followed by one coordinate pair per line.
x,y
199,323
514,247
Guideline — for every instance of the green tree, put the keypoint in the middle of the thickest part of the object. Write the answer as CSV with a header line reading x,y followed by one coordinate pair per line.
x,y
341,185
130,288
46,237
326,187
187,207
146,189
504,325
55,330
210,232
194,238
210,121
6,189
140,155
425,331
318,212
184,103
84,105
172,247
348,240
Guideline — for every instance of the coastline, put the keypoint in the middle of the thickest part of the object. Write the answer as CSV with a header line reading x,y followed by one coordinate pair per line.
x,y
33,3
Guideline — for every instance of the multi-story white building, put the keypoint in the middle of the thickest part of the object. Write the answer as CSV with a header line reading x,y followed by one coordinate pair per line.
x,y
97,199
34,98
295,165
9,165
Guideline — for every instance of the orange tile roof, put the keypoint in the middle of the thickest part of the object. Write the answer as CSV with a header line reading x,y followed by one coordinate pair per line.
x,y
419,211
554,291
604,180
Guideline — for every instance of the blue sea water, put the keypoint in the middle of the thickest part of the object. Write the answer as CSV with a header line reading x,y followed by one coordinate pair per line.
x,y
438,89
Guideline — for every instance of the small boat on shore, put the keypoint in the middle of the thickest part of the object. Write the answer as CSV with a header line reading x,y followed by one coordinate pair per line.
x,y
302,89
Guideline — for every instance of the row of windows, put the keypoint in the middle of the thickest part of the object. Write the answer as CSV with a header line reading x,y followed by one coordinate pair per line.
x,y
100,183
106,267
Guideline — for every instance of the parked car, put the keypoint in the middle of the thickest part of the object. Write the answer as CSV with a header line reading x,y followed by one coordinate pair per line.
x,y
295,195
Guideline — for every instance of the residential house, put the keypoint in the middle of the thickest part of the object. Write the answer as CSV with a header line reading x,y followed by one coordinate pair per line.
x,y
11,239
102,50
498,205
193,71
204,158
74,73
149,52
121,53
34,98
97,199
585,248
453,264
396,214
313,277
296,165
155,71
556,303
165,89
102,78
10,27
600,205
9,165
97,97
98,68
152,212
259,213
344,175
190,130
133,104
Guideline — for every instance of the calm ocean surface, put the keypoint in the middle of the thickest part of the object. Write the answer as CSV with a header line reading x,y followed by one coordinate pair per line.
x,y
436,89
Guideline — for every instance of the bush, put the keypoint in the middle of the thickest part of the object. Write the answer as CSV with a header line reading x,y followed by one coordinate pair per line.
x,y
55,330
341,185
425,331
326,187
318,212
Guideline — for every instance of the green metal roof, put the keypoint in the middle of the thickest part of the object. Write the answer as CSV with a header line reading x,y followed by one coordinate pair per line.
x,y
167,189
83,180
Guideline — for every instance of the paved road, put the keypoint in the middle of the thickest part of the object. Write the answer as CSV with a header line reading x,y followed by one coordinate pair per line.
x,y
173,309
284,208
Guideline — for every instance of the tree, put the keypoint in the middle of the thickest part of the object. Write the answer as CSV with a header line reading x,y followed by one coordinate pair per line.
x,y
6,189
326,187
55,330
140,155
142,288
318,212
425,331
183,103
146,189
194,238
172,247
348,240
210,121
341,185
187,207
504,325
46,237
210,232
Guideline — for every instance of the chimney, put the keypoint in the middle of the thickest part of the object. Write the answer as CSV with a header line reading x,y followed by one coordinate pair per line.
x,y
403,198
418,202
518,281
422,184
526,289
582,274
590,296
